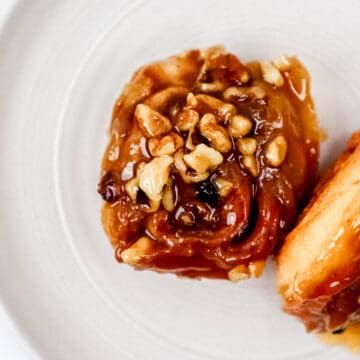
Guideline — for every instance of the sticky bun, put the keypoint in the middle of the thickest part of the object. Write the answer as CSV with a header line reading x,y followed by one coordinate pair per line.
x,y
209,162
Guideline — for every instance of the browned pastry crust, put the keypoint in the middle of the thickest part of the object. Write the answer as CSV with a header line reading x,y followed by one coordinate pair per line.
x,y
319,264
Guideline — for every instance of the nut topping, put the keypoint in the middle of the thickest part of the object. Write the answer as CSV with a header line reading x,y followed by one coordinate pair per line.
x,y
224,187
211,87
283,63
209,104
258,92
151,122
152,206
243,272
154,175
276,150
271,74
256,268
239,272
168,200
203,158
182,169
247,145
166,145
250,165
189,143
191,100
160,100
215,133
239,126
136,252
132,188
187,120
234,93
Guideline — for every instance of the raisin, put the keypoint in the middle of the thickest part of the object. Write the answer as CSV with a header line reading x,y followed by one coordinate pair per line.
x,y
207,193
339,331
109,187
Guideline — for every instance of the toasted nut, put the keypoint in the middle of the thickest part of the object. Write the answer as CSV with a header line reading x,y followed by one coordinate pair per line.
x,y
215,133
258,92
251,165
168,200
187,119
275,151
239,126
243,272
239,272
224,187
213,51
166,145
187,220
210,104
256,268
140,166
211,87
136,252
234,93
245,77
160,100
152,206
151,122
283,63
132,188
154,176
191,100
203,158
182,169
189,143
247,145
271,74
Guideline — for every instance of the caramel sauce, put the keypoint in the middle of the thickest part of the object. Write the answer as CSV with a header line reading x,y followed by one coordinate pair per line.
x,y
326,297
350,338
206,235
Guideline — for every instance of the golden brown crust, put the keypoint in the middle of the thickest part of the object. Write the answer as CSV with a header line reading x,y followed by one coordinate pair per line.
x,y
319,264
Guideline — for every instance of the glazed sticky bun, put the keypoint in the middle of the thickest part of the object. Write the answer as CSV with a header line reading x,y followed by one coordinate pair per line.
x,y
208,164
319,264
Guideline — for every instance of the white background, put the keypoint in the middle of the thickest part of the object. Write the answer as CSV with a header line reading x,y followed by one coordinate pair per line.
x,y
11,346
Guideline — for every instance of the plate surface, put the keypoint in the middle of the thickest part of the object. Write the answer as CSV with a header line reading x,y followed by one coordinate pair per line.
x,y
62,65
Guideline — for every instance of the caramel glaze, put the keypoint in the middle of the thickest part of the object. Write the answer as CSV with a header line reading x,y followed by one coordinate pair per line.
x,y
250,223
350,338
333,304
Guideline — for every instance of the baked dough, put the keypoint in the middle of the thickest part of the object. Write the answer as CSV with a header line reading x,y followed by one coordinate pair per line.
x,y
319,264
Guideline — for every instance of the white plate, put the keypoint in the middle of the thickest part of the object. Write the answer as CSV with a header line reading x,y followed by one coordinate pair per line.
x,y
62,65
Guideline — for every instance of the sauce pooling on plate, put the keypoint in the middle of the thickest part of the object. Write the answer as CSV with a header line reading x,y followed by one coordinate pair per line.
x,y
208,164
350,338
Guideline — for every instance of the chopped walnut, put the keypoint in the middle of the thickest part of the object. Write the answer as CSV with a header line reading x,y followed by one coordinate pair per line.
x,y
136,252
276,150
271,74
215,133
154,176
239,126
151,122
203,158
166,145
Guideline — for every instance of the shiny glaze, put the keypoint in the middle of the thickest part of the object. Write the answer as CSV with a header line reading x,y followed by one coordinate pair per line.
x,y
350,338
249,224
327,297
